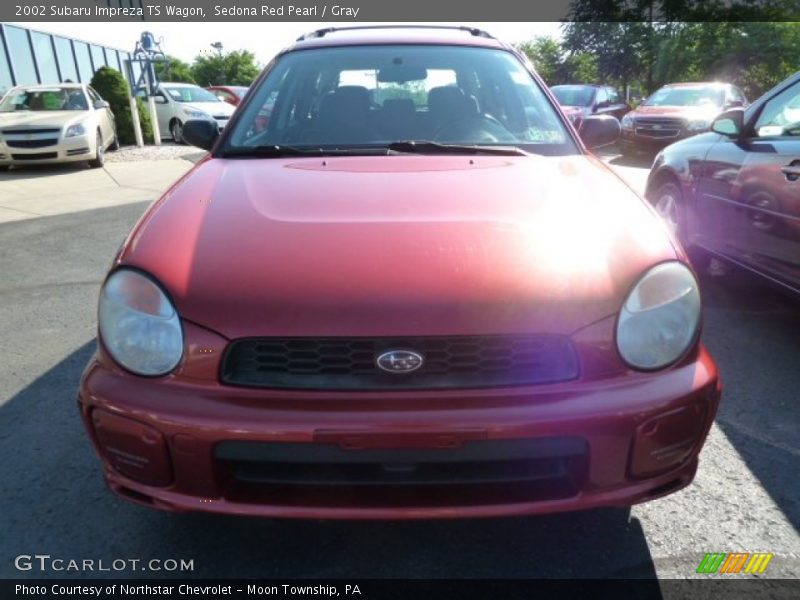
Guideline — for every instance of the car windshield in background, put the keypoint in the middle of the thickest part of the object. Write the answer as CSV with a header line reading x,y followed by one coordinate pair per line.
x,y
687,96
358,98
240,91
573,95
45,100
190,94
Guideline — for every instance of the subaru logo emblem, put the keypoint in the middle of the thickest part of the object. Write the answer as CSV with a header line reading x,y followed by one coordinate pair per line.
x,y
399,361
656,126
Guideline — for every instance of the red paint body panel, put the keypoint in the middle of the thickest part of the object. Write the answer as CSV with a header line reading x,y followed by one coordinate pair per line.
x,y
348,261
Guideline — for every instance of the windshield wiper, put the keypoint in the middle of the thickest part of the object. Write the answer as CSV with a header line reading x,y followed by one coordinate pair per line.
x,y
414,147
280,150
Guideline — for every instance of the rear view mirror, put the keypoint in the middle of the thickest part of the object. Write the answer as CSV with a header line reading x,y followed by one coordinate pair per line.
x,y
402,74
599,130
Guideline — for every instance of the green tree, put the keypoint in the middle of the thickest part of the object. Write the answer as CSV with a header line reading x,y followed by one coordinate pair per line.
x,y
113,88
556,66
232,68
174,69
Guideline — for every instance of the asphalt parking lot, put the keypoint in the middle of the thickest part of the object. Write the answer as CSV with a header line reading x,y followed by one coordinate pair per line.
x,y
746,496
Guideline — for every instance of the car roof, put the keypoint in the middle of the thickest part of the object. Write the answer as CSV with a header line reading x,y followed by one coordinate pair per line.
x,y
177,84
49,86
396,34
698,84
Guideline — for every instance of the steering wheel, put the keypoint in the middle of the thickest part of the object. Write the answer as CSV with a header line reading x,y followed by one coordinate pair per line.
x,y
482,129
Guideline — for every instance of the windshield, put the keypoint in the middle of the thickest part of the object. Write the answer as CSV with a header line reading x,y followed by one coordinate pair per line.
x,y
190,93
573,95
239,91
687,96
45,100
359,97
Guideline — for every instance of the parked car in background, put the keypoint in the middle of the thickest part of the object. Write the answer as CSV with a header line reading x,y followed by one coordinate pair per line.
x,y
176,103
580,100
408,297
676,111
232,94
734,193
65,122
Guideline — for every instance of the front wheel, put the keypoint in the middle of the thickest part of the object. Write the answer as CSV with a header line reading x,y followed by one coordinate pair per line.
x,y
669,204
99,157
177,132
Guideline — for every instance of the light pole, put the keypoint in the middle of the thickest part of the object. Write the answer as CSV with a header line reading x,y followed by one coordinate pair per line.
x,y
221,75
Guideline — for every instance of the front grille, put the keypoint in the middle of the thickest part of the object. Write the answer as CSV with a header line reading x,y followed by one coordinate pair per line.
x,y
659,127
27,131
350,363
31,143
36,156
477,472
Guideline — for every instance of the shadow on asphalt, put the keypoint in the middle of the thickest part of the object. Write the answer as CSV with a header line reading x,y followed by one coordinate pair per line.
x,y
759,415
55,503
38,171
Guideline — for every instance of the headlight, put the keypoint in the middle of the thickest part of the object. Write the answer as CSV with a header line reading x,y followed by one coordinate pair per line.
x,y
698,124
660,318
196,114
627,122
76,129
138,324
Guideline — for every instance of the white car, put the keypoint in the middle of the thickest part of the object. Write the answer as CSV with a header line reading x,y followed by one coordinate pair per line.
x,y
65,122
177,103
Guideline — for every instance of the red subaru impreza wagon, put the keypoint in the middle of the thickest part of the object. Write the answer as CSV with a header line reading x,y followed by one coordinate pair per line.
x,y
413,294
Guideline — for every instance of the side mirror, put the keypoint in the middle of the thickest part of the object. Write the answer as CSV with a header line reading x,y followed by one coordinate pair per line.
x,y
101,104
201,133
730,123
160,99
733,103
600,130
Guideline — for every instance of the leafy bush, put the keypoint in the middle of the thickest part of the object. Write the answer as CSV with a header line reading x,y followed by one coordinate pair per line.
x,y
112,87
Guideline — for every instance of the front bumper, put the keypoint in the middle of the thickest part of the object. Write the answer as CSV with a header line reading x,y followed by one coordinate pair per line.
x,y
631,139
62,150
195,446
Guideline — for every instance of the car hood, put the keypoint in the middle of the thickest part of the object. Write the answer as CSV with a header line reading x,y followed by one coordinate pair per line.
x,y
398,245
684,112
41,119
212,108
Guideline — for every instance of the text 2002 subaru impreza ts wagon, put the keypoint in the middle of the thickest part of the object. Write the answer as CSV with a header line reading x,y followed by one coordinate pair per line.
x,y
411,293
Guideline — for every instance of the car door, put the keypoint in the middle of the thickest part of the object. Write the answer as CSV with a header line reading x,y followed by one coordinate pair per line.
x,y
749,195
105,118
616,106
600,104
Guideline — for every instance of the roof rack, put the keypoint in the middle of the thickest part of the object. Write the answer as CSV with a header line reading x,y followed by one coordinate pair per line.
x,y
325,31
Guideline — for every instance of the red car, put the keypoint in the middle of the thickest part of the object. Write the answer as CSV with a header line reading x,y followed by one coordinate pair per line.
x,y
580,100
415,294
676,111
232,94
734,193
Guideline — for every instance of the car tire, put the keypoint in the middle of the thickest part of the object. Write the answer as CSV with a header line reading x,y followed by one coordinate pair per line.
x,y
100,156
176,129
669,204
